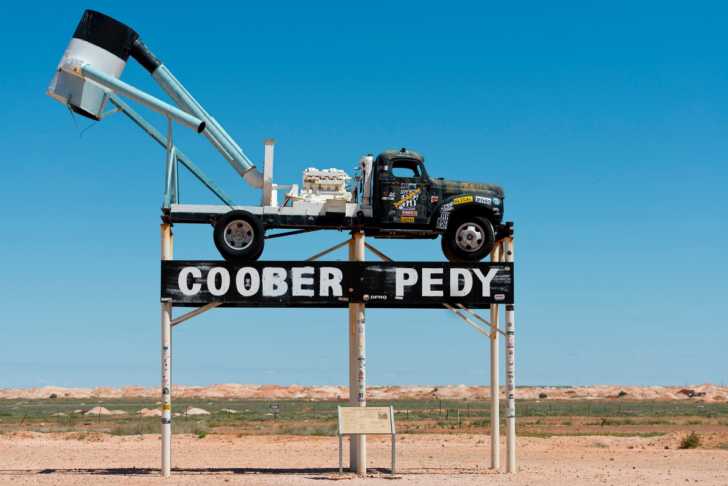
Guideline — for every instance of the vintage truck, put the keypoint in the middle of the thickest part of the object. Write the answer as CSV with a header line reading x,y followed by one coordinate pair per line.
x,y
391,196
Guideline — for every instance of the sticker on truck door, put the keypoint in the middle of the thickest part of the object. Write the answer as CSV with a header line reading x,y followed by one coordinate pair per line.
x,y
408,199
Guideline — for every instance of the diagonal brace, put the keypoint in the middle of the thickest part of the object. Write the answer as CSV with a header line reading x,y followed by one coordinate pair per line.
x,y
162,140
196,312
378,252
474,325
493,327
468,321
326,252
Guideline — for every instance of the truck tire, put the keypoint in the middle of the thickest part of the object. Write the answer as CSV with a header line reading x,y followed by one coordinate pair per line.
x,y
468,239
239,236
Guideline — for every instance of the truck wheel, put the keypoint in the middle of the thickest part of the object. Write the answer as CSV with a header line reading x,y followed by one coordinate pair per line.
x,y
468,239
239,236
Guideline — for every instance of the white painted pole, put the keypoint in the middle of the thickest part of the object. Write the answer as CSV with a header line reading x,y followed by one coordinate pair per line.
x,y
167,253
268,199
359,385
353,382
495,256
511,465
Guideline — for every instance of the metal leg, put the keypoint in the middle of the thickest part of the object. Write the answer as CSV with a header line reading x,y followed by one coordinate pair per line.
x,y
166,469
394,453
495,256
360,359
341,455
353,382
511,465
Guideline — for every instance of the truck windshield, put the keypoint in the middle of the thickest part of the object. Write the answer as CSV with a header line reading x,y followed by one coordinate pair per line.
x,y
405,168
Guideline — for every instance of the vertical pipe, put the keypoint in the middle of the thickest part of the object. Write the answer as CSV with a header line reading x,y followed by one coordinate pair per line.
x,y
360,383
169,175
341,455
495,256
172,162
268,174
167,253
353,382
511,465
394,453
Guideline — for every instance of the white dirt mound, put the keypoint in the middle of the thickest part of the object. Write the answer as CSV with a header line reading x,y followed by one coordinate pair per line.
x,y
98,411
196,411
150,412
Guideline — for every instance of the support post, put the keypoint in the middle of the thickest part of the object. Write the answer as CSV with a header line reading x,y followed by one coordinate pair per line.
x,y
495,256
170,171
357,362
511,464
269,199
167,254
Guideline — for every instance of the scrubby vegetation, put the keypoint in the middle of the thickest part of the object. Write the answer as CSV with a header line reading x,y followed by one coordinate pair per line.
x,y
690,441
541,418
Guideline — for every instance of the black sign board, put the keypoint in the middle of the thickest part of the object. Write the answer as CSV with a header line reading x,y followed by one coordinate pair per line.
x,y
336,284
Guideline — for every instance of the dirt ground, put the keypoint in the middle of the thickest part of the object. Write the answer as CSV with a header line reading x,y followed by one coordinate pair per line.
x,y
424,459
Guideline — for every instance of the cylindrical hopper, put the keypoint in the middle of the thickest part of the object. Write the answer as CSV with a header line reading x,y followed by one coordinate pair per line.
x,y
102,42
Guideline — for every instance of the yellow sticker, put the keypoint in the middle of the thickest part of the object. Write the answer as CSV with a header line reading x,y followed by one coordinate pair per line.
x,y
462,200
406,219
166,407
409,196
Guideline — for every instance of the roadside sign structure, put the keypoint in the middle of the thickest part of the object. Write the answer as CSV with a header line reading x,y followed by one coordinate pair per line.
x,y
356,284
357,421
87,79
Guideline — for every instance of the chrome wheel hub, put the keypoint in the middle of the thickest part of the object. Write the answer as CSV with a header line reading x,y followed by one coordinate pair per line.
x,y
469,237
239,234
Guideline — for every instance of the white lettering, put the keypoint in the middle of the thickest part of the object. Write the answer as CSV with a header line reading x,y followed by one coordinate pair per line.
x,y
455,275
212,281
485,280
183,281
330,281
428,281
404,277
247,281
274,282
299,280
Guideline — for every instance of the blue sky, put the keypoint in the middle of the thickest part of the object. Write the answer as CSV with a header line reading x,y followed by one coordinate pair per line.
x,y
606,123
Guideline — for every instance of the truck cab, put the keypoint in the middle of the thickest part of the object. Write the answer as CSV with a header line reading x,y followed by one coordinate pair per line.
x,y
407,203
401,190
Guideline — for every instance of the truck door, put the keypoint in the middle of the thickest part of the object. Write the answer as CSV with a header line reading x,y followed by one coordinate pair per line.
x,y
404,192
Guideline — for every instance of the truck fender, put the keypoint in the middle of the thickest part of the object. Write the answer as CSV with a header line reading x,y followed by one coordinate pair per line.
x,y
463,203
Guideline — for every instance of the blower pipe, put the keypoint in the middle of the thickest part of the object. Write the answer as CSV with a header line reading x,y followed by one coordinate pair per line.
x,y
99,49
